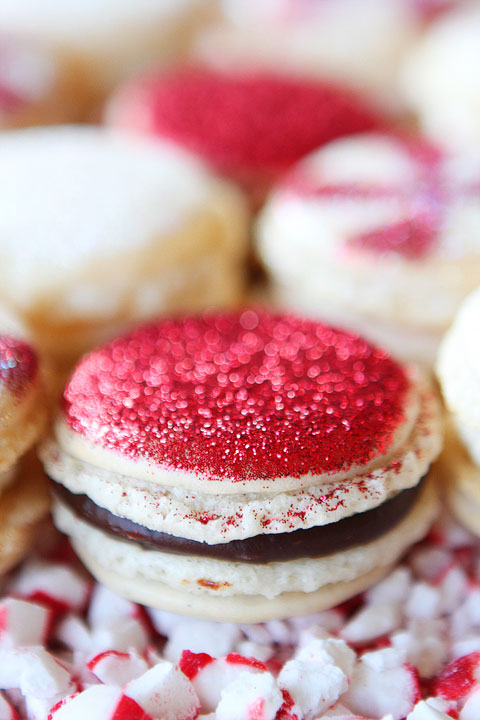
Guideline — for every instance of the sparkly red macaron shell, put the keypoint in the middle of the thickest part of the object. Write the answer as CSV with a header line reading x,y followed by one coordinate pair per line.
x,y
241,396
236,122
18,365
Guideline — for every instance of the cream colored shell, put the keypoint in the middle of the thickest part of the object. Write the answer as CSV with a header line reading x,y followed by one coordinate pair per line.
x,y
458,365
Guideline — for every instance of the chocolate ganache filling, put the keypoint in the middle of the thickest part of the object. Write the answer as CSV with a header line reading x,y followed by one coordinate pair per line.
x,y
313,542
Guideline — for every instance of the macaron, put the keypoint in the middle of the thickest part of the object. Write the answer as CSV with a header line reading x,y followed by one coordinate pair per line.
x,y
99,229
39,83
457,369
108,39
440,79
23,490
377,233
243,466
248,126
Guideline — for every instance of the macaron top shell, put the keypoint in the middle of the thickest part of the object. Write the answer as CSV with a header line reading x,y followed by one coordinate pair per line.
x,y
259,121
248,397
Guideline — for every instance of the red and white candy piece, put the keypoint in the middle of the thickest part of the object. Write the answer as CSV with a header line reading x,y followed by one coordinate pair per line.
x,y
459,677
165,693
106,607
7,711
313,686
73,632
54,584
471,709
425,711
214,638
34,671
250,697
100,702
326,650
381,684
23,623
117,668
392,589
210,676
122,635
424,645
372,622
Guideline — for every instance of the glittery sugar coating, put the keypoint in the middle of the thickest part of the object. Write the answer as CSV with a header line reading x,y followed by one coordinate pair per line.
x,y
260,121
18,365
240,395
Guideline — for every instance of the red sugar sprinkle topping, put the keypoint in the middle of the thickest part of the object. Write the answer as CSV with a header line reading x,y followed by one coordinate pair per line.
x,y
423,203
18,365
239,395
237,122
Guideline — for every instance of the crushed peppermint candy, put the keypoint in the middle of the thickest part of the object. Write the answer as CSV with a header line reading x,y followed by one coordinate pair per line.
x,y
103,657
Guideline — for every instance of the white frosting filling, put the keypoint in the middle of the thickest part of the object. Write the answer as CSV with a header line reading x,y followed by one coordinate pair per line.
x,y
198,514
233,578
